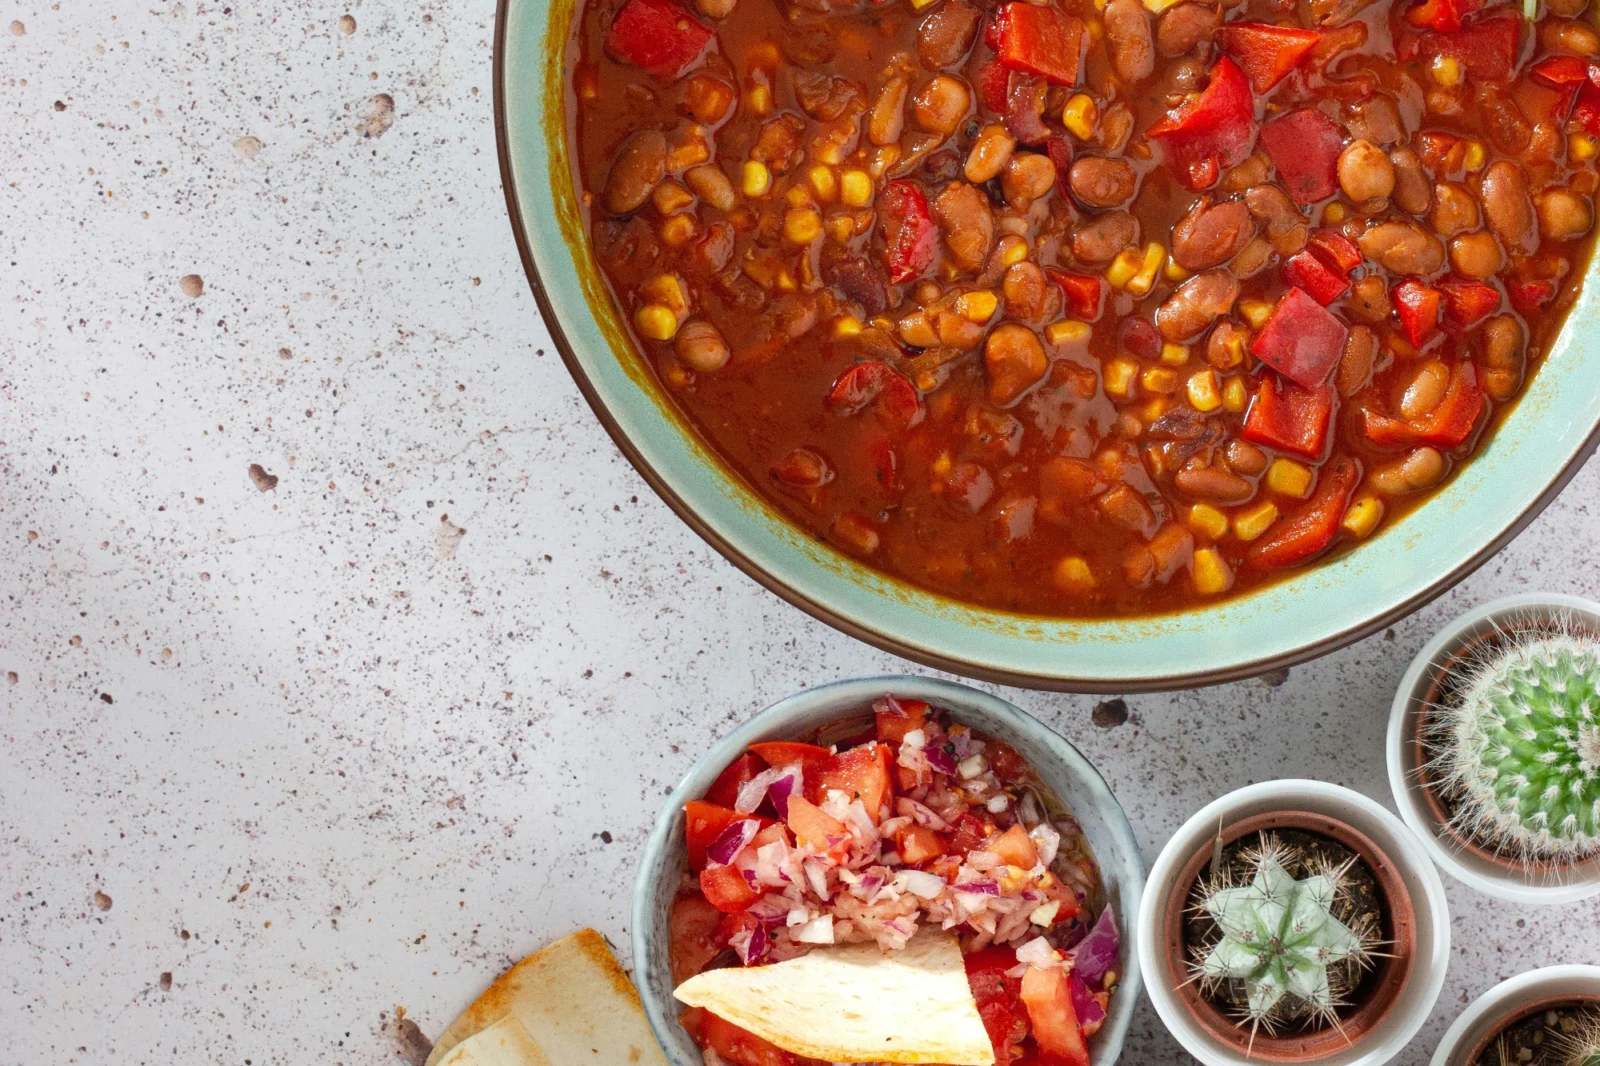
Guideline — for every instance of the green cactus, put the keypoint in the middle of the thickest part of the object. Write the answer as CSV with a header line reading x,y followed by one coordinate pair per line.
x,y
1516,749
1283,940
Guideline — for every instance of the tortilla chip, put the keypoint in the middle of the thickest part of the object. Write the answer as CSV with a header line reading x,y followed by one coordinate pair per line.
x,y
573,1000
505,1043
856,1003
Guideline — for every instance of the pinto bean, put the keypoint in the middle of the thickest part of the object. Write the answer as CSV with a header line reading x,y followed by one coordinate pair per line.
x,y
1029,295
1226,345
990,153
1427,388
1573,38
1365,173
1116,126
1196,304
1412,192
1403,248
1477,255
1377,119
1356,361
1100,182
1503,357
1027,177
1273,207
1567,8
779,141
1253,260
1507,207
1245,458
701,346
1369,300
887,119
639,166
1184,26
1211,233
1454,209
1100,238
1508,130
947,34
1015,360
940,105
967,221
1213,483
1133,54
1563,214
1422,469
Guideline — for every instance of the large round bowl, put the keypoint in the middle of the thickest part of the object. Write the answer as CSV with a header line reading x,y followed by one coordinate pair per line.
x,y
1556,424
1060,766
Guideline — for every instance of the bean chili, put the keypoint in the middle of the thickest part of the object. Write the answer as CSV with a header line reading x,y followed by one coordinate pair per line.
x,y
1083,308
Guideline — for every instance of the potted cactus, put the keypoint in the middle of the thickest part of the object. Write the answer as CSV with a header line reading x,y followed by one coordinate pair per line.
x,y
1494,748
1548,1017
1293,921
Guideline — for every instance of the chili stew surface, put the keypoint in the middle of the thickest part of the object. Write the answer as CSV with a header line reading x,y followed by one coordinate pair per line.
x,y
1088,309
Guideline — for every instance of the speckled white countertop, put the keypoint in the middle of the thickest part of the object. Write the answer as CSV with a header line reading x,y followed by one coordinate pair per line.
x,y
348,661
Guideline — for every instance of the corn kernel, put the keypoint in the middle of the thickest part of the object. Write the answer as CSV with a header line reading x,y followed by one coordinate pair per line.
x,y
786,282
1446,71
1174,354
1248,525
1072,574
841,228
1289,478
1475,157
1080,115
666,290
755,178
1155,256
655,322
1159,379
824,182
1363,516
884,158
1211,571
921,5
977,306
1013,249
830,152
847,326
1156,7
1582,147
1334,214
855,188
802,225
677,230
1255,312
1123,268
1235,395
1118,378
1174,272
1155,407
1207,521
1067,332
797,196
758,100
670,197
1204,394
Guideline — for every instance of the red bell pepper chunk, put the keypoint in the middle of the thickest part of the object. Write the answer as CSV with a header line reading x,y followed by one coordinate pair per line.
x,y
703,823
1418,307
1285,416
659,36
994,86
737,1046
1048,997
910,238
1467,302
1302,340
1586,113
1446,426
1568,78
784,752
1561,70
1486,48
1084,293
1442,15
1311,528
879,384
724,791
1305,270
1038,40
1215,131
1267,53
1530,297
1304,145
1337,250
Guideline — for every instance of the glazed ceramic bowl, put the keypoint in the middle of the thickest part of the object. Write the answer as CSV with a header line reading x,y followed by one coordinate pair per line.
x,y
1299,618
1060,766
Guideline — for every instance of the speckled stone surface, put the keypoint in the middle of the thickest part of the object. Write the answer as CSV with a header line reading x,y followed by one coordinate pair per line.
x,y
347,660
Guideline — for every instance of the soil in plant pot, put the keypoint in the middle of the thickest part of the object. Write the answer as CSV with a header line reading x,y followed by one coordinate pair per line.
x,y
1360,907
1545,1038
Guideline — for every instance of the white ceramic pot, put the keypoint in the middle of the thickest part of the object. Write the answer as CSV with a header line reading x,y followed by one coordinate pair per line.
x,y
1426,891
1480,871
1492,1010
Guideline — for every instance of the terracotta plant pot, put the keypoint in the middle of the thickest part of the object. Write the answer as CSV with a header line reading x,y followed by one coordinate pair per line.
x,y
1383,986
1508,1003
1525,1011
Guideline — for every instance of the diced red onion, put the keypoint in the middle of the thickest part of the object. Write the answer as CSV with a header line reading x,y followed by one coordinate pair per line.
x,y
732,840
816,877
922,814
786,784
940,759
921,883
1087,1008
750,944
818,930
1098,951
772,909
753,791
887,704
1038,953
1046,841
980,888
868,889
962,742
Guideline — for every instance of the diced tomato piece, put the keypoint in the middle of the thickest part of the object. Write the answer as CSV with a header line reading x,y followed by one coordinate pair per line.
x,y
994,86
1442,153
703,823
659,36
998,998
1284,415
1312,528
726,889
1530,296
1561,70
1302,340
1418,307
917,844
784,752
1048,996
892,728
1337,250
1038,40
1059,149
971,832
893,397
1015,847
725,789
1267,53
1085,294
770,834
1212,132
910,238
1007,763
692,927
1467,302
1305,270
1442,15
1446,426
737,1046
1586,113
1485,48
1304,145
862,773
816,829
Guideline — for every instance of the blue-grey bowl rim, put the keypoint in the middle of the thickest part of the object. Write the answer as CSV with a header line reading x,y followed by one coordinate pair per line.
x,y
809,708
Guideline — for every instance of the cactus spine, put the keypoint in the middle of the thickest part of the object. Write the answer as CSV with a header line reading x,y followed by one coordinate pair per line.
x,y
1580,1048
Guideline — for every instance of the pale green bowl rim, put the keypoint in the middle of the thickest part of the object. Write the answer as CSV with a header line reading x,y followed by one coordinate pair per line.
x,y
1537,451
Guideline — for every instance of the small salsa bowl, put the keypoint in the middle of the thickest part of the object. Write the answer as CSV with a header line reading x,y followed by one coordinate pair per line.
x,y
1060,766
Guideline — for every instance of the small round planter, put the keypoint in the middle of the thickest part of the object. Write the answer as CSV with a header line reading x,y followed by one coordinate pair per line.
x,y
1508,1003
1403,988
1060,766
1424,683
